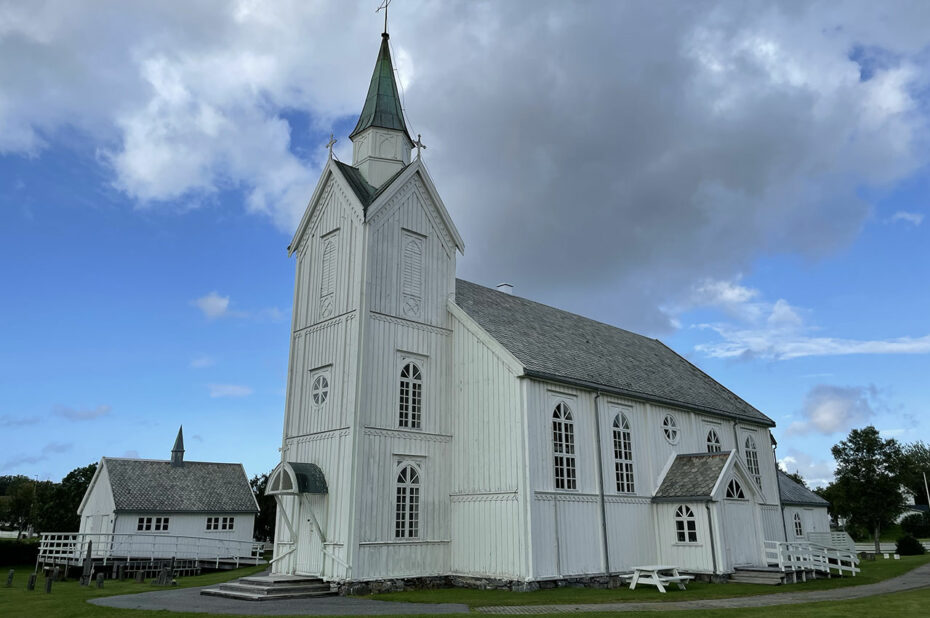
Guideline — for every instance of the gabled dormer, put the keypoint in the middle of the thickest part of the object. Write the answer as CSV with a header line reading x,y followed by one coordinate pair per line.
x,y
381,144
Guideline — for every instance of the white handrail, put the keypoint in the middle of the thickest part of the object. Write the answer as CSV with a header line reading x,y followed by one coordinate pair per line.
x,y
804,556
72,547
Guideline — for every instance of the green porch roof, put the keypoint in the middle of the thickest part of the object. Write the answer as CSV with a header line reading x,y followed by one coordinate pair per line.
x,y
382,106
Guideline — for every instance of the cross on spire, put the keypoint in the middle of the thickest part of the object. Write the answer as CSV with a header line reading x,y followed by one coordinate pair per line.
x,y
419,144
384,5
330,143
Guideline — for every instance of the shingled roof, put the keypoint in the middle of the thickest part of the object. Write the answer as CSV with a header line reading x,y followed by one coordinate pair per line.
x,y
557,345
157,486
365,193
794,494
692,476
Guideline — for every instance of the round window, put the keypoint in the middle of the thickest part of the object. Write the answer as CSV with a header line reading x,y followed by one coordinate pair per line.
x,y
320,390
670,429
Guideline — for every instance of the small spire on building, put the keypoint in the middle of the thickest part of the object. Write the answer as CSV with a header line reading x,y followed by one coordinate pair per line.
x,y
177,453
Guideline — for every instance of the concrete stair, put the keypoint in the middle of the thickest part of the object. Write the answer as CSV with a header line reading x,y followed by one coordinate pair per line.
x,y
771,576
271,587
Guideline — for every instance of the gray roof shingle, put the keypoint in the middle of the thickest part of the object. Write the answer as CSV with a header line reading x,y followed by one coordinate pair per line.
x,y
793,493
365,193
197,486
692,475
562,346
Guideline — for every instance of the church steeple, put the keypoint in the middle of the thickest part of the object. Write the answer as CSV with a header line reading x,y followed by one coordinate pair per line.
x,y
381,142
177,453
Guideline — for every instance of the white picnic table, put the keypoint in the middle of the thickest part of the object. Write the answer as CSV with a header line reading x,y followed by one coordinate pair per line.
x,y
658,575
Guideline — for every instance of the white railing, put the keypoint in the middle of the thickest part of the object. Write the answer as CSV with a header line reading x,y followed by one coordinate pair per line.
x,y
71,547
803,557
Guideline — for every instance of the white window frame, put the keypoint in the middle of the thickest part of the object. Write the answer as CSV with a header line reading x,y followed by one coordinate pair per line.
x,y
735,490
410,391
713,441
623,454
316,375
144,524
798,526
407,494
670,429
685,526
564,473
751,455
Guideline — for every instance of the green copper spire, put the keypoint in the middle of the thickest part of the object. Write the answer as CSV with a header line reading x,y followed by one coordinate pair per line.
x,y
382,106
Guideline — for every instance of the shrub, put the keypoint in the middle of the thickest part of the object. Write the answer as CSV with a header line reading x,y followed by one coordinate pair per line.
x,y
18,553
917,524
909,546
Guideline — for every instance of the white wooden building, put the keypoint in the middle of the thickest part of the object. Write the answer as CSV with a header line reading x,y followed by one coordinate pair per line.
x,y
436,427
804,511
145,508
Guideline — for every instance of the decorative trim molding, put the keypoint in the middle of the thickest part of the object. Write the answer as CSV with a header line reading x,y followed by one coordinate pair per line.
x,y
390,319
336,320
486,496
319,435
407,434
628,499
557,496
404,542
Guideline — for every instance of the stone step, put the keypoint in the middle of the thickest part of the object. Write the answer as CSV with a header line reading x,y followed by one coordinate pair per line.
x,y
254,596
274,590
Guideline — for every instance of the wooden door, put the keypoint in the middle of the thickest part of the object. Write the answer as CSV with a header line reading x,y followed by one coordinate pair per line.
x,y
742,537
309,539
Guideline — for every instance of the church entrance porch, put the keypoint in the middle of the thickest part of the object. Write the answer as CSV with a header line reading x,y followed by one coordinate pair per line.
x,y
300,493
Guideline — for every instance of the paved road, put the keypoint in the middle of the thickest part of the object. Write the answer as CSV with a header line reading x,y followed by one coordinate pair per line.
x,y
918,578
190,600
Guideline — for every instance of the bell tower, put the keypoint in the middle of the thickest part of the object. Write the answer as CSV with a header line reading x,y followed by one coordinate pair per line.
x,y
381,144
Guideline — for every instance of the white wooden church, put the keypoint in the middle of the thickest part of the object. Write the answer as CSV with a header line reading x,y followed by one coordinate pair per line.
x,y
436,427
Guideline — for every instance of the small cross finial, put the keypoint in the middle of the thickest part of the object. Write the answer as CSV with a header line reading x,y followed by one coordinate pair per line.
x,y
330,143
419,144
384,5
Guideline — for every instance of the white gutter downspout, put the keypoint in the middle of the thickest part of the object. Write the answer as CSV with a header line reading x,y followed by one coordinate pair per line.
x,y
600,484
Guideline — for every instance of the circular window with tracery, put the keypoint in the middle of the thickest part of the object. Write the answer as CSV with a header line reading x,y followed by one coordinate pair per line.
x,y
670,429
320,390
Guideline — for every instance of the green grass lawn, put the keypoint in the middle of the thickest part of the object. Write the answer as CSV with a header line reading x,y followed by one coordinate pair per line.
x,y
69,599
871,572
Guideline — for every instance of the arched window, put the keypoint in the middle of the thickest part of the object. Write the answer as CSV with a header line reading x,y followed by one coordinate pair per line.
x,y
623,454
735,490
798,528
685,525
407,510
319,391
713,441
410,406
563,447
752,460
670,429
327,278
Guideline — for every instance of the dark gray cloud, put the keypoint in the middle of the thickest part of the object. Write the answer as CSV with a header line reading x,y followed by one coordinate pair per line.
x,y
603,156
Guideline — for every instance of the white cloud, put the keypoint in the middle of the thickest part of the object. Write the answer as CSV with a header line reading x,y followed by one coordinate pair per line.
x,y
73,414
229,390
213,305
816,472
833,409
722,131
914,218
201,362
18,421
49,449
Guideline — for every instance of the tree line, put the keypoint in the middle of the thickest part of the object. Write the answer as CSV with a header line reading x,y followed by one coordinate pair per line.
x,y
27,504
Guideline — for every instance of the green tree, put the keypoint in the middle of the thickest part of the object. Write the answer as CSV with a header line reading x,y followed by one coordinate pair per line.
x,y
915,462
57,503
264,522
867,483
797,478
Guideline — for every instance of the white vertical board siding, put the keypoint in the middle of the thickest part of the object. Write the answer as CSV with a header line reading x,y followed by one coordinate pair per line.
x,y
409,214
773,528
686,556
488,527
99,506
630,532
767,466
813,519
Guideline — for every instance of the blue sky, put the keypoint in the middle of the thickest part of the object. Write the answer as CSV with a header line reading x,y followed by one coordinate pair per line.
x,y
747,184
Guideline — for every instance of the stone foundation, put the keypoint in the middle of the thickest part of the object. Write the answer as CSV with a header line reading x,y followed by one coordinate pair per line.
x,y
377,586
